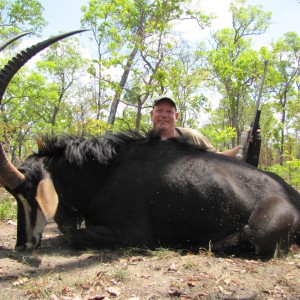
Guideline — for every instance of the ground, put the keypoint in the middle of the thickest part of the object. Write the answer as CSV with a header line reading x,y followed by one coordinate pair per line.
x,y
54,271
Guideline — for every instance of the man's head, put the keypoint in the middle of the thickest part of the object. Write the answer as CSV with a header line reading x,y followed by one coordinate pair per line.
x,y
164,115
164,98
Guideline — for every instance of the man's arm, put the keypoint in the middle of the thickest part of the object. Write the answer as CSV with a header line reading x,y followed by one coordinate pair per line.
x,y
231,152
199,139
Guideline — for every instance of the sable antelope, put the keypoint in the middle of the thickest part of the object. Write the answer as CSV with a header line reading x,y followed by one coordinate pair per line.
x,y
138,190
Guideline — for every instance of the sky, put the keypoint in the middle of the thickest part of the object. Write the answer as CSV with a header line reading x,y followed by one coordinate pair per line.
x,y
64,15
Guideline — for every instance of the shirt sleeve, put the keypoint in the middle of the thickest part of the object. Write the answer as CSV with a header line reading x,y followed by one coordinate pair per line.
x,y
197,138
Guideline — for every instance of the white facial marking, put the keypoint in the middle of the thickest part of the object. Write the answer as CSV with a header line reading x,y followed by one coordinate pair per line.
x,y
27,212
36,231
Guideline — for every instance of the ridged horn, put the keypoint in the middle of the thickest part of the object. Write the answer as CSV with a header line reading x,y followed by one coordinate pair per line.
x,y
9,41
13,66
9,175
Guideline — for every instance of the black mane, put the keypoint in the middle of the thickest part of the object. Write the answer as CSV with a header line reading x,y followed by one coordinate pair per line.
x,y
77,148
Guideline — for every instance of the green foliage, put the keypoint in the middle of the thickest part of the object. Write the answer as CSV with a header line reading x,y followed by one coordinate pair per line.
x,y
8,208
249,20
289,171
283,84
90,127
135,36
24,15
220,137
234,65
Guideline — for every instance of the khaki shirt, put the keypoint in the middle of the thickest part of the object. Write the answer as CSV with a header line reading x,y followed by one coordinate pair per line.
x,y
197,138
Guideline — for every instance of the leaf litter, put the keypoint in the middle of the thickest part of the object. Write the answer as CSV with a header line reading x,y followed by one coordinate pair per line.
x,y
58,273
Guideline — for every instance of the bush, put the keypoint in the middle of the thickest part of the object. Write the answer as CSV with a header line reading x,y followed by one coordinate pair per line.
x,y
289,172
8,208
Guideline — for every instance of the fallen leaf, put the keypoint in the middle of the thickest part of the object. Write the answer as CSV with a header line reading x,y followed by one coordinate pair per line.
x,y
202,294
172,267
101,297
20,281
136,258
114,292
10,222
294,248
175,293
191,283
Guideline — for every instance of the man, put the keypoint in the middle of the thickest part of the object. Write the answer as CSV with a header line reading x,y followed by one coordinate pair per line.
x,y
164,116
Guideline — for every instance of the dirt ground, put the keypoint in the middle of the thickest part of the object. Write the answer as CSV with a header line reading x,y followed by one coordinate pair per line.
x,y
56,272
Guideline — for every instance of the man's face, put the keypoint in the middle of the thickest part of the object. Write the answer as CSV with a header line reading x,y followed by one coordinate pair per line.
x,y
164,116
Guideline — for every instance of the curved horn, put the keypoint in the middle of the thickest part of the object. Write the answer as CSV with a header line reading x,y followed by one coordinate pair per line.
x,y
13,66
9,174
9,41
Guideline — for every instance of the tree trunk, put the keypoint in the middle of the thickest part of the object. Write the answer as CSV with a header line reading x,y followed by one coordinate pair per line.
x,y
281,154
124,78
116,101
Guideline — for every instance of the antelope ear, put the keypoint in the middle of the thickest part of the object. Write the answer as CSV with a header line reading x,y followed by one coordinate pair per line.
x,y
46,197
39,143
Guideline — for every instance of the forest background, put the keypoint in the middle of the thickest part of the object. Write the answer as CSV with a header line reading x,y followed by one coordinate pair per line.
x,y
140,51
